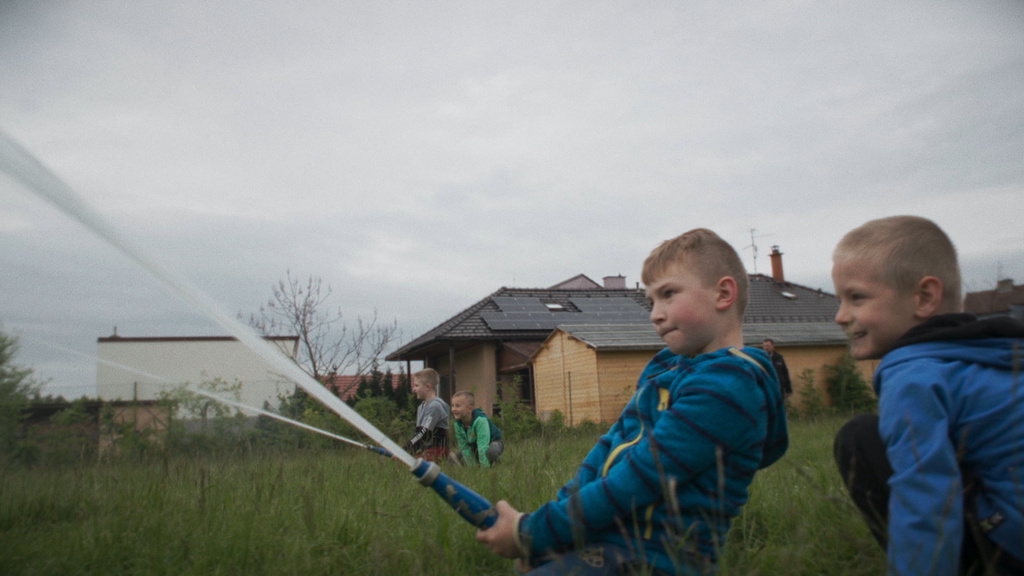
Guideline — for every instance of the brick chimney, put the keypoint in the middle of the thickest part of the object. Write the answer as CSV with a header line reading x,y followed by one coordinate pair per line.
x,y
615,282
776,258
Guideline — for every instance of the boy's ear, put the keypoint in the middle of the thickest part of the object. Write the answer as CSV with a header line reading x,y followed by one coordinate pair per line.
x,y
928,297
727,293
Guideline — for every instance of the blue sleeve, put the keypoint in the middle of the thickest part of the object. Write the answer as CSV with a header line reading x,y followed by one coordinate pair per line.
x,y
590,466
925,503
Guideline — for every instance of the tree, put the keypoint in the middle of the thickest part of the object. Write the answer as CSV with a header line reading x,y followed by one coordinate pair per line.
x,y
328,346
847,388
380,384
16,390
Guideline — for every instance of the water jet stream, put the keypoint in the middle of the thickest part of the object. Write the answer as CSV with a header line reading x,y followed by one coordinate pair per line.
x,y
215,397
25,168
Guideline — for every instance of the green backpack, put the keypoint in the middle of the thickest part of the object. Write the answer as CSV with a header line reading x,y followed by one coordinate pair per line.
x,y
495,431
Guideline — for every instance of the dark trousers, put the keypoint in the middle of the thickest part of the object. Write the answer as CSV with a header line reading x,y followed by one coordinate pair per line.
x,y
860,454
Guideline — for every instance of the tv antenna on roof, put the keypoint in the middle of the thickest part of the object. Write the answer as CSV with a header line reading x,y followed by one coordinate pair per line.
x,y
753,245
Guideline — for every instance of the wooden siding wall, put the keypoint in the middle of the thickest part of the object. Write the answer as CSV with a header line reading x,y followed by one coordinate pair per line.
x,y
800,358
565,368
547,379
476,371
618,372
602,383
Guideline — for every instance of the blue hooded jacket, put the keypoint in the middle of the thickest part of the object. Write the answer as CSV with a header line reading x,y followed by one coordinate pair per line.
x,y
668,477
950,397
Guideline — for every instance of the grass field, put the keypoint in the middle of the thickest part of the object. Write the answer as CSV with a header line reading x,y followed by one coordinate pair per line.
x,y
353,512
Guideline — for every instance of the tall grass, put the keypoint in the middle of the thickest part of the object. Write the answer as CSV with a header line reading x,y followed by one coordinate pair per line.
x,y
348,511
799,519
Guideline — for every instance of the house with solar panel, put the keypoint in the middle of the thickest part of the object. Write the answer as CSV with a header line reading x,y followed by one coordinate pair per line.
x,y
488,346
578,346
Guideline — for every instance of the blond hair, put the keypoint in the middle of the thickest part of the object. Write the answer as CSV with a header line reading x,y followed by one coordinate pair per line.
x,y
905,249
467,395
427,376
705,253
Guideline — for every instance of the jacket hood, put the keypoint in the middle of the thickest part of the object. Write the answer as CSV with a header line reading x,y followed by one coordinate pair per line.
x,y
996,342
961,327
776,431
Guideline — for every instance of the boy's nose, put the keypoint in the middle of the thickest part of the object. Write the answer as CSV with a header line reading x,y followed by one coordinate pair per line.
x,y
842,318
655,315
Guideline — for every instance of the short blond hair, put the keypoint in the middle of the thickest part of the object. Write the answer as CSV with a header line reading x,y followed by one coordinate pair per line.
x,y
704,253
427,376
904,250
467,395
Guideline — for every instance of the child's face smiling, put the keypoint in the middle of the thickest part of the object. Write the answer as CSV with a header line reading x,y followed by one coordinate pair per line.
x,y
461,408
683,312
872,313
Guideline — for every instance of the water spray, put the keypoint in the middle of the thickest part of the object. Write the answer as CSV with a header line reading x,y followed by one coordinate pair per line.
x,y
287,420
215,397
23,167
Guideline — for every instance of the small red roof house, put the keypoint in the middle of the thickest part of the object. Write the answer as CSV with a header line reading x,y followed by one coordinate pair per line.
x,y
1005,300
345,387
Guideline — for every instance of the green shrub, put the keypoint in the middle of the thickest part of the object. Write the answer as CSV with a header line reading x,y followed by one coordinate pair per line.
x,y
71,439
812,405
385,415
16,389
555,424
848,390
516,420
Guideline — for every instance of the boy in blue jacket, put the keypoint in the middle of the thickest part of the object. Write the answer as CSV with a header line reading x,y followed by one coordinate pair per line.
x,y
478,438
939,473
658,491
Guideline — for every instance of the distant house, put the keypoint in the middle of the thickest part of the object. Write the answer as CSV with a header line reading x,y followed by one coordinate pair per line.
x,y
801,322
140,368
493,339
1005,300
579,350
345,387
588,371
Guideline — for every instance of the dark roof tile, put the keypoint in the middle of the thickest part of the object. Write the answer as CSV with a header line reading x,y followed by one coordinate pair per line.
x,y
807,311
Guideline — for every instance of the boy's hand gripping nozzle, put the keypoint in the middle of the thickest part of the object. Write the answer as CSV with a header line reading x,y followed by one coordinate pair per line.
x,y
470,505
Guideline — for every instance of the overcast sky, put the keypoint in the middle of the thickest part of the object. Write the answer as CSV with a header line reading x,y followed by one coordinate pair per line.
x,y
418,158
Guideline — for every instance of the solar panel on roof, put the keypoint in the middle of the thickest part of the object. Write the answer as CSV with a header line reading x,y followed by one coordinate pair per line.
x,y
529,313
521,320
617,304
519,304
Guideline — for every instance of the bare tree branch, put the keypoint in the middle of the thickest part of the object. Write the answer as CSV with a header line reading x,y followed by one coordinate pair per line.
x,y
328,346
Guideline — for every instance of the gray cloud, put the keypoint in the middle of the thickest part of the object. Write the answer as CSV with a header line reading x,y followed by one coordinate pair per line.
x,y
418,158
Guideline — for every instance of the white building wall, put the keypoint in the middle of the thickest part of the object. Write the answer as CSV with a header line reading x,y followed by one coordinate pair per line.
x,y
157,364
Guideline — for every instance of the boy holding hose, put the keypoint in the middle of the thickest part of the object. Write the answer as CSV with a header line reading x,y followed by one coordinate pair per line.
x,y
659,490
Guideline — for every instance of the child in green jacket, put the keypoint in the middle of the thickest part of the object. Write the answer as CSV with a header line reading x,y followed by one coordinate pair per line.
x,y
479,439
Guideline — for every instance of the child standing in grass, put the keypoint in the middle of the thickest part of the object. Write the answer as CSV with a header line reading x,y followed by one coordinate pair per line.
x,y
479,439
939,473
430,440
658,491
